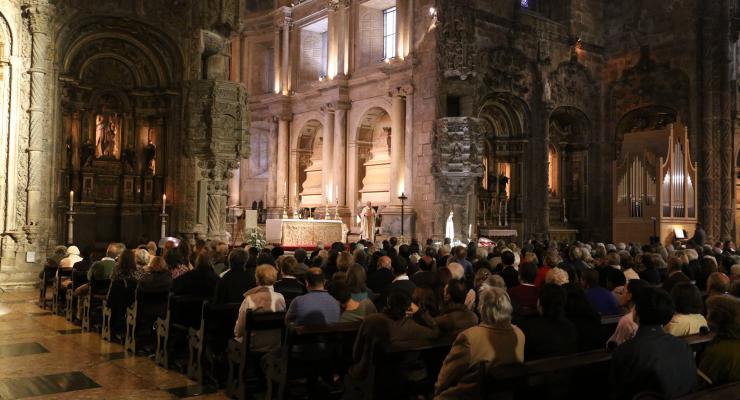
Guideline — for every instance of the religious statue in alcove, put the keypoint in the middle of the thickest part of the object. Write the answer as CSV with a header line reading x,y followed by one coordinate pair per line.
x,y
503,180
107,132
129,159
86,154
150,153
69,152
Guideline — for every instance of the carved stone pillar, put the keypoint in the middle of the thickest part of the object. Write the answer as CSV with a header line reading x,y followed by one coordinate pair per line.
x,y
544,228
217,172
282,161
327,154
340,155
727,166
39,14
285,54
398,139
339,37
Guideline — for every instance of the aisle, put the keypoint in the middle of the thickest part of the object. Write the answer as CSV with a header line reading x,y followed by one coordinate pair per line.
x,y
45,356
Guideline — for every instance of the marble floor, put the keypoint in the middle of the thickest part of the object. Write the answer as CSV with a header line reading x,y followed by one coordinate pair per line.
x,y
45,357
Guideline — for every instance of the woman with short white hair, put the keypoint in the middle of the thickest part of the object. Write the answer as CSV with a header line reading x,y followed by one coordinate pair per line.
x,y
495,341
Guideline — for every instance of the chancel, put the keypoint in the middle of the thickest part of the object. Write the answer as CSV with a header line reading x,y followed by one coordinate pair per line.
x,y
521,199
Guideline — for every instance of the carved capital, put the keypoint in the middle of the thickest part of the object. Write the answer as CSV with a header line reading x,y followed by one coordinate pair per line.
x,y
39,14
334,5
328,108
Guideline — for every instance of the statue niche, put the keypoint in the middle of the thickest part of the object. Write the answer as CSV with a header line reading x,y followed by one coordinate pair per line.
x,y
107,135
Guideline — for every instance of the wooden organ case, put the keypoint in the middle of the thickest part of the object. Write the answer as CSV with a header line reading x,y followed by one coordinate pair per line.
x,y
655,192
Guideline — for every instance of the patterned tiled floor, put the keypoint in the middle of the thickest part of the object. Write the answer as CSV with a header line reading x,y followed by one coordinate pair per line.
x,y
42,356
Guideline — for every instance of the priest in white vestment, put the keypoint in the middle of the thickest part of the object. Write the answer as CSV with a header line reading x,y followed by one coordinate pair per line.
x,y
450,228
367,222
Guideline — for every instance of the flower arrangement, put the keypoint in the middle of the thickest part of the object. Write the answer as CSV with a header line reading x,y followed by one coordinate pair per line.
x,y
256,238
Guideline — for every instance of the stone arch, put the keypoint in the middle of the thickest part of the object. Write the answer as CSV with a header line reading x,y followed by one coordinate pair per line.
x,y
644,119
571,85
309,163
7,104
372,155
504,115
506,69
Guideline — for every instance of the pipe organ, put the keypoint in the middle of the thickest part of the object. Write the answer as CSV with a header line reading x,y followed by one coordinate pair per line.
x,y
654,186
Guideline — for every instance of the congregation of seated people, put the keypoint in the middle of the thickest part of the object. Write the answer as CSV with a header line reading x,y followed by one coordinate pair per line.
x,y
491,306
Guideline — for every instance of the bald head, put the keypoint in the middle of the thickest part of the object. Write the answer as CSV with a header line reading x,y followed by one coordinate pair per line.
x,y
314,278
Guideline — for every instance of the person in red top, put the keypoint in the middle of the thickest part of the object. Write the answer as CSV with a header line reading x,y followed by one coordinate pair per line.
x,y
525,295
552,259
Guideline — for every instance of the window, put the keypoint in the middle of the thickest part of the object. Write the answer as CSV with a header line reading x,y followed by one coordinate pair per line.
x,y
389,32
269,72
324,53
524,3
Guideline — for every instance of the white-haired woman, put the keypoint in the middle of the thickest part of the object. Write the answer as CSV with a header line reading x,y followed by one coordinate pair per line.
x,y
494,341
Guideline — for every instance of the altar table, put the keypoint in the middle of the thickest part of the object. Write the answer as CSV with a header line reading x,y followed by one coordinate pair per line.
x,y
303,232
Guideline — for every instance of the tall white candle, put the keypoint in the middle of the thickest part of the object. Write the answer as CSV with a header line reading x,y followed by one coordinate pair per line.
x,y
71,200
164,202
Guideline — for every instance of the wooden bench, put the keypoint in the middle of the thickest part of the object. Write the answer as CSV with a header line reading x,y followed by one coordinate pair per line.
x,y
58,290
211,338
241,355
92,301
723,392
45,281
78,279
141,316
517,378
121,294
314,349
183,312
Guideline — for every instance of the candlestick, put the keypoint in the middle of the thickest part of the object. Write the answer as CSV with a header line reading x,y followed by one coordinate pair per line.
x,y
336,194
164,203
71,200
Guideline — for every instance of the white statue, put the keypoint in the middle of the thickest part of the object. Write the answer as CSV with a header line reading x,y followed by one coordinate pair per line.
x,y
367,222
450,228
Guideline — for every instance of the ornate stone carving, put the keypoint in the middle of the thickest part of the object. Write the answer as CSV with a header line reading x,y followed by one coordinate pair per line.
x,y
458,161
506,69
571,85
334,5
456,36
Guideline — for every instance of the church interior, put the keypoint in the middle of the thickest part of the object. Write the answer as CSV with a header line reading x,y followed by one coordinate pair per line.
x,y
448,198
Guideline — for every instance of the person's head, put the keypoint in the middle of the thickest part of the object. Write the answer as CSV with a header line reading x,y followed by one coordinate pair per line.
x,y
455,292
359,257
613,259
384,262
114,250
507,258
481,275
400,266
126,263
675,264
300,255
340,291
73,251
157,264
265,275
277,251
142,257
552,300
717,283
288,265
238,259
687,298
61,251
456,270
221,252
528,273
461,252
653,306
494,305
426,299
357,279
151,247
314,278
495,280
344,260
393,241
708,265
590,278
633,288
723,316
397,303
426,263
552,258
557,276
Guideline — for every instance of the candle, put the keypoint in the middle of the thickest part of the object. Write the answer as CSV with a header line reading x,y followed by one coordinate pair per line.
x,y
164,202
470,231
71,200
336,193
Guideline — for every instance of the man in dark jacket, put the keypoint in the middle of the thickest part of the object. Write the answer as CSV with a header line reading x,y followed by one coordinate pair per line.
x,y
236,281
654,360
382,276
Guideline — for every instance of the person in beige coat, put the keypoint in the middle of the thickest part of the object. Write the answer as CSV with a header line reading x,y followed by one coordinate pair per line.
x,y
494,341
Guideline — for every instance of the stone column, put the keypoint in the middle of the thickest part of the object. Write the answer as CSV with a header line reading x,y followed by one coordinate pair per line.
x,y
277,84
547,108
39,15
339,31
285,53
340,154
327,154
727,166
398,135
271,199
282,160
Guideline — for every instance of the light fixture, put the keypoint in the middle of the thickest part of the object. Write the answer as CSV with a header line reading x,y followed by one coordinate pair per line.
x,y
432,11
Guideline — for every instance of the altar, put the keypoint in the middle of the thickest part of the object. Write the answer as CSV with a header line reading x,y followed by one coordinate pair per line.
x,y
303,232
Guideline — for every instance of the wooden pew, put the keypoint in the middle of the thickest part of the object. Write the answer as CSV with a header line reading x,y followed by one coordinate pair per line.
x,y
723,392
141,316
497,380
183,312
321,346
121,295
210,338
58,290
92,302
241,354
45,282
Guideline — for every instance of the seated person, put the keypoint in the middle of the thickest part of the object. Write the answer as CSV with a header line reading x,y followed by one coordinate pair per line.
x,y
495,342
317,307
720,362
157,277
600,299
425,275
102,269
654,360
352,310
524,296
455,316
201,281
627,327
688,319
236,280
551,334
260,299
288,285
